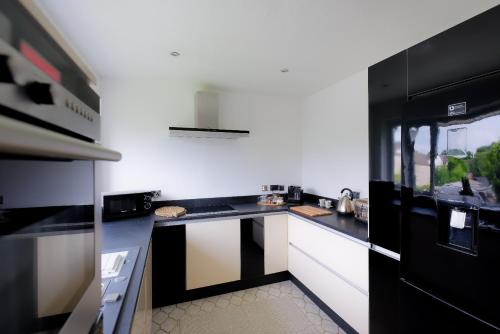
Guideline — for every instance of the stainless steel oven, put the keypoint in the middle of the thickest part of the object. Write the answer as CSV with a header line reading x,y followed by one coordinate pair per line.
x,y
49,211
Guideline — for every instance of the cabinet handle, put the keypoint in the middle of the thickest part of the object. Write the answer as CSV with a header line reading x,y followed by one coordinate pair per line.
x,y
336,273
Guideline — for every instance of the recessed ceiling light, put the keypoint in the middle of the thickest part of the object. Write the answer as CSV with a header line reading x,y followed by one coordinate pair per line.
x,y
284,70
175,54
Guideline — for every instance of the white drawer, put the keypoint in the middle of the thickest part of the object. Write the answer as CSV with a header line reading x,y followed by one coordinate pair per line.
x,y
344,256
349,303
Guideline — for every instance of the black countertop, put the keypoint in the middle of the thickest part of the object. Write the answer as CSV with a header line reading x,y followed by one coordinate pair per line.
x,y
137,232
341,223
243,210
123,234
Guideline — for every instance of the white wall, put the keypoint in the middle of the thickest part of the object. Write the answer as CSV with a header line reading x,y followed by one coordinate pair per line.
x,y
335,138
136,115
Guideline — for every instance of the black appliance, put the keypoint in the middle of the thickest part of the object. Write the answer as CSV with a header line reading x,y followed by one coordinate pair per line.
x,y
49,122
209,210
434,189
387,96
35,70
295,194
126,205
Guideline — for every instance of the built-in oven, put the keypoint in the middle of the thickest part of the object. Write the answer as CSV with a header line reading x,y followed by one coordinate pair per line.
x,y
49,212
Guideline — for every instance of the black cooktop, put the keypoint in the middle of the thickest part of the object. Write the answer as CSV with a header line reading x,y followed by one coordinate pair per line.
x,y
211,209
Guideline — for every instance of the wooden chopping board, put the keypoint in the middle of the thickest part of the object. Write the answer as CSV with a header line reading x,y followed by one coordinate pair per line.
x,y
170,211
310,211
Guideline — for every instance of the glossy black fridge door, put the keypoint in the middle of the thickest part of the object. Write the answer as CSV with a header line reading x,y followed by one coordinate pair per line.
x,y
384,294
423,313
450,246
387,97
467,50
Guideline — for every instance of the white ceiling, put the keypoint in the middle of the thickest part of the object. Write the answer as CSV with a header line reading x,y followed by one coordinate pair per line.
x,y
242,44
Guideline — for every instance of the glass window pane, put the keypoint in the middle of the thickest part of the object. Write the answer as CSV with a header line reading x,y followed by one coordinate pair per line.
x,y
470,151
421,157
396,144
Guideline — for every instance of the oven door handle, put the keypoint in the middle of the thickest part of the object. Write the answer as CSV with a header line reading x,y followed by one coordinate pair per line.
x,y
19,138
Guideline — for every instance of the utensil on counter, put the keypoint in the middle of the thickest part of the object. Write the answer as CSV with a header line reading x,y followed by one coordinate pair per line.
x,y
361,209
310,211
295,194
345,205
170,211
271,200
270,204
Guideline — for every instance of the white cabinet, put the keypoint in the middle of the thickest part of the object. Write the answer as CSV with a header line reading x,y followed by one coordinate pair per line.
x,y
142,321
62,266
348,258
332,267
213,253
275,244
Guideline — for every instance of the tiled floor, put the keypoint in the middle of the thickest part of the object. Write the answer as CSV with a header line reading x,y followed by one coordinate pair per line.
x,y
279,308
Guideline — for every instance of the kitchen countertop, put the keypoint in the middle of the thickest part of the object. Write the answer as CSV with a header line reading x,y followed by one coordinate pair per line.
x,y
340,223
126,233
345,224
243,210
137,232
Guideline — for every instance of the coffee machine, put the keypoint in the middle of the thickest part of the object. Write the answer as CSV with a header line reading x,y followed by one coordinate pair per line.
x,y
295,194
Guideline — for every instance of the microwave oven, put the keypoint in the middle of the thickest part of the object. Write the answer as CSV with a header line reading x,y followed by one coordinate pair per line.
x,y
120,205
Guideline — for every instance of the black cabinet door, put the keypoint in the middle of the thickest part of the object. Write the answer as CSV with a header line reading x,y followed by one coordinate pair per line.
x,y
387,97
252,254
464,51
384,294
169,265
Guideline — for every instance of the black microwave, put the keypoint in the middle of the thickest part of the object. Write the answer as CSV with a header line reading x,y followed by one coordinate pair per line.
x,y
126,205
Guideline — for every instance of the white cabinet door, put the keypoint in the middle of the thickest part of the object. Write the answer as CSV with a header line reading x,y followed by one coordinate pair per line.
x,y
332,267
349,303
63,267
213,253
348,258
275,244
141,324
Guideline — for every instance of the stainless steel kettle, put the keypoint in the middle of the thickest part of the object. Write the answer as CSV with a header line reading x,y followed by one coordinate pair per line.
x,y
345,204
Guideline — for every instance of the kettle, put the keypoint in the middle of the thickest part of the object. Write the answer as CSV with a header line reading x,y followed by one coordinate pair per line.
x,y
345,204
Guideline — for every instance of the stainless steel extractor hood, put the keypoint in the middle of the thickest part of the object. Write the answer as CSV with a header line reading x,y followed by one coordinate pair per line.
x,y
207,120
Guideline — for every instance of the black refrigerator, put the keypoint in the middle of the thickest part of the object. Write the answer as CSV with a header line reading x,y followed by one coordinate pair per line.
x,y
435,184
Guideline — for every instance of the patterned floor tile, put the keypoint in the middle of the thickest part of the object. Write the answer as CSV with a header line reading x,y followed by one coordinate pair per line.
x,y
177,314
271,308
169,324
160,317
222,303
